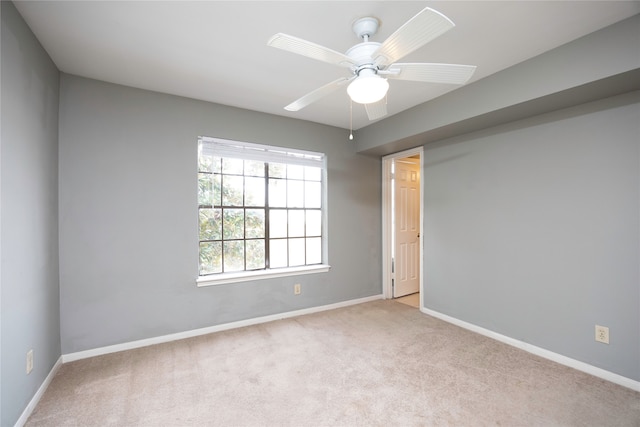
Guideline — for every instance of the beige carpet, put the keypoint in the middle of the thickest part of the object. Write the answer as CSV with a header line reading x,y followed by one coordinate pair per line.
x,y
375,364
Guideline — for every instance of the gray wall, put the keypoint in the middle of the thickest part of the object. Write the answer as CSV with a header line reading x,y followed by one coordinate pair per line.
x,y
29,214
128,216
532,231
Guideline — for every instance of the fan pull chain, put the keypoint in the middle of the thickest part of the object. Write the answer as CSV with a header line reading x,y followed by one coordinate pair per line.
x,y
350,119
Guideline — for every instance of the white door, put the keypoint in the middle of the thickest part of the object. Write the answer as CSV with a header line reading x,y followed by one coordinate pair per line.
x,y
407,227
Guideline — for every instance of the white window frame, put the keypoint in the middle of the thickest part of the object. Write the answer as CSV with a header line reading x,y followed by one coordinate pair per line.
x,y
267,153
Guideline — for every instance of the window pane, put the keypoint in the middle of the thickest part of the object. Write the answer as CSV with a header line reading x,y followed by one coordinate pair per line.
x,y
232,190
296,252
234,256
210,224
217,164
314,250
277,253
207,162
217,190
296,223
314,223
254,223
277,193
210,257
233,224
312,194
232,166
205,189
312,174
277,223
253,168
255,254
295,172
295,194
254,191
277,170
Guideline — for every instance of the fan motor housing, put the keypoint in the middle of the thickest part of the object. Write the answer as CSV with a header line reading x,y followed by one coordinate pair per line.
x,y
362,53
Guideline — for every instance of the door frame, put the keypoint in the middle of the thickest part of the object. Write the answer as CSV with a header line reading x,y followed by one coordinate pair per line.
x,y
387,226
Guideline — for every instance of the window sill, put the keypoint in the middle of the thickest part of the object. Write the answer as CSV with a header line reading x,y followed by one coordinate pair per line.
x,y
245,276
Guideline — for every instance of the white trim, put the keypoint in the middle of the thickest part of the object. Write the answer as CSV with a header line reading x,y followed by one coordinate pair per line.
x,y
263,153
246,276
538,351
211,329
36,397
387,274
387,241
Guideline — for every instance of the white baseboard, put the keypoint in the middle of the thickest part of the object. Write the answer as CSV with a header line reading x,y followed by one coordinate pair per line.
x,y
538,351
203,331
36,397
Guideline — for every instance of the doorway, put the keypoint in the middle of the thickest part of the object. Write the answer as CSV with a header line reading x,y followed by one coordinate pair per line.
x,y
402,202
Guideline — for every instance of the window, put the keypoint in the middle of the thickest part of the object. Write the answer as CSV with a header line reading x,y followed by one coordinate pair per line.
x,y
261,211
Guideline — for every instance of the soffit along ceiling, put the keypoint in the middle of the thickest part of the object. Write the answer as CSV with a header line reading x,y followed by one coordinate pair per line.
x,y
217,50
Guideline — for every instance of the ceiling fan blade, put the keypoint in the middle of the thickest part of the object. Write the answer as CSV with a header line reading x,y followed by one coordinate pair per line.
x,y
376,110
418,31
432,73
315,95
309,49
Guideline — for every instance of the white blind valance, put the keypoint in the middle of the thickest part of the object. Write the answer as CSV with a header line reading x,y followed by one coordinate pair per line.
x,y
265,153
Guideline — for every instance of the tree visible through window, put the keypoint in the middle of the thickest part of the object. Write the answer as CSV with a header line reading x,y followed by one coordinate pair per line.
x,y
259,207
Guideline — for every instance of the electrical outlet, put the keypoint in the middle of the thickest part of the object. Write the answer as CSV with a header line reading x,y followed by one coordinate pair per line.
x,y
296,289
602,334
29,361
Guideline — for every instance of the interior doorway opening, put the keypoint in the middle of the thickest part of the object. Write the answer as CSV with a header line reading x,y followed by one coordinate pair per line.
x,y
402,216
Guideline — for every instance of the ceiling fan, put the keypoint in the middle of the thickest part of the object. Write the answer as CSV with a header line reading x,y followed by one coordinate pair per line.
x,y
371,63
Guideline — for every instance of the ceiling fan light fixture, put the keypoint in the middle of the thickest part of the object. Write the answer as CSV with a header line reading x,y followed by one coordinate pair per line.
x,y
368,89
371,63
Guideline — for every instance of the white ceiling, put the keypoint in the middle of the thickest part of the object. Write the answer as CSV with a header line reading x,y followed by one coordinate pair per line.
x,y
216,50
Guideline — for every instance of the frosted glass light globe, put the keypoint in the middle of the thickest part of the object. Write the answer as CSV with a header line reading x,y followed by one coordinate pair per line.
x,y
368,89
